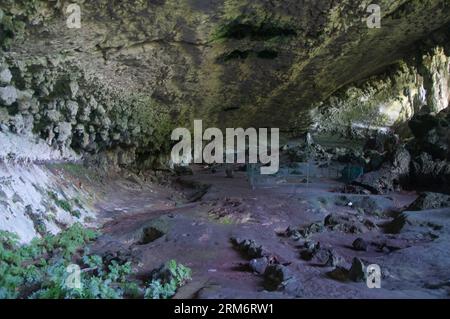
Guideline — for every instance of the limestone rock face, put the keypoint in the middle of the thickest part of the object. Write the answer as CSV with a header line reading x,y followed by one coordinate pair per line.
x,y
229,62
8,95
5,76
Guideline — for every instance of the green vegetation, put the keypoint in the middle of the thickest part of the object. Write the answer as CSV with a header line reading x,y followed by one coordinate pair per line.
x,y
38,268
167,280
226,220
45,268
65,204
72,168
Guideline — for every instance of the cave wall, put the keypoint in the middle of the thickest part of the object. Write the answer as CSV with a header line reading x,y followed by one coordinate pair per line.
x,y
111,91
53,99
229,62
390,99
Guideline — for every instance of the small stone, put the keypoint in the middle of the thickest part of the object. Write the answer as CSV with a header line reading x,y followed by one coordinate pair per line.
x,y
249,247
275,275
259,265
310,251
357,271
339,273
360,245
334,259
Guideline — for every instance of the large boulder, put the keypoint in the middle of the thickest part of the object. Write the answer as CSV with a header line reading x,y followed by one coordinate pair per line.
x,y
432,134
390,176
428,200
434,175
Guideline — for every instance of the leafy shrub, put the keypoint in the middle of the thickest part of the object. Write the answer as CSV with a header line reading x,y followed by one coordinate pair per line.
x,y
39,270
65,204
24,269
167,280
102,281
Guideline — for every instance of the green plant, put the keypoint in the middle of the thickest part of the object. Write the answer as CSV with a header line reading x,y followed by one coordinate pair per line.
x,y
99,281
64,205
75,213
171,277
40,270
27,270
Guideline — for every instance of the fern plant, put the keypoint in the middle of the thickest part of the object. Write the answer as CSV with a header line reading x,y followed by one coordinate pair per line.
x,y
168,279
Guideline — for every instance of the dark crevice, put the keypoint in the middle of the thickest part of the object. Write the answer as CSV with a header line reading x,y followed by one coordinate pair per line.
x,y
150,234
244,54
265,31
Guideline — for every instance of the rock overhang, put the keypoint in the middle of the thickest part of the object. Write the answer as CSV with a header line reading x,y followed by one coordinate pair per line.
x,y
232,63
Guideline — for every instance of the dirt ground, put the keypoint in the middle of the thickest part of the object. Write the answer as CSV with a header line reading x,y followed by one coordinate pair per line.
x,y
194,220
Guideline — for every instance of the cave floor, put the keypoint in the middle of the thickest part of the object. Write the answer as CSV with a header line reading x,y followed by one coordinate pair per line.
x,y
152,224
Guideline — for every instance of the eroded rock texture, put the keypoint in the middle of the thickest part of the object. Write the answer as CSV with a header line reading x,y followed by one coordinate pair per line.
x,y
259,63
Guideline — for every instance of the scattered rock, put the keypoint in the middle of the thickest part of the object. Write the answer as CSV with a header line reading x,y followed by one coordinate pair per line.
x,y
314,253
310,250
259,265
348,223
358,271
369,205
249,248
390,176
304,232
334,260
427,222
339,274
276,277
430,200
